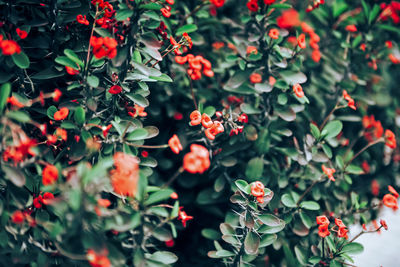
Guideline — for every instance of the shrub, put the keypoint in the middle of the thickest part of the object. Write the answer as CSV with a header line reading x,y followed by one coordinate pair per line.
x,y
237,133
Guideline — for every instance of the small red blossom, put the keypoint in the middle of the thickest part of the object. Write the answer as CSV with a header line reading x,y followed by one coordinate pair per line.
x,y
82,20
393,191
115,89
175,144
383,224
390,139
61,114
252,5
98,260
49,175
21,33
301,41
350,101
255,78
390,201
298,90
273,33
17,217
184,217
351,28
195,118
198,160
329,172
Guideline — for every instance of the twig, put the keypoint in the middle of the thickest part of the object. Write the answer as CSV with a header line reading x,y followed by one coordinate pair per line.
x,y
173,178
70,255
362,150
192,92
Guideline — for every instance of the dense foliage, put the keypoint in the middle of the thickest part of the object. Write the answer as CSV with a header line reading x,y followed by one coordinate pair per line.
x,y
195,133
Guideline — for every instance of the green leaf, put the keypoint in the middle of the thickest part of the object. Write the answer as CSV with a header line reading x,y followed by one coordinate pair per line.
x,y
225,253
162,234
137,134
243,186
73,56
332,129
186,28
310,205
306,220
79,115
292,77
283,6
288,201
270,219
151,6
19,116
93,81
315,131
210,234
300,255
254,169
251,243
50,112
123,14
66,61
353,248
327,150
353,169
164,257
21,60
249,109
267,239
138,99
227,229
374,13
158,196
5,91
162,78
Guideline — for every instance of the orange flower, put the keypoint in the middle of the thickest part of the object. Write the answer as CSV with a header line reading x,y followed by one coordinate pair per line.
x,y
61,133
316,55
125,176
351,28
349,100
342,232
271,80
273,33
323,230
301,41
105,203
390,139
71,71
49,175
298,90
198,160
218,45
175,144
390,201
10,47
339,223
383,224
97,260
255,78
18,217
57,95
288,19
393,191
188,39
174,195
322,220
329,172
195,118
14,102
257,189
251,50
61,114
206,121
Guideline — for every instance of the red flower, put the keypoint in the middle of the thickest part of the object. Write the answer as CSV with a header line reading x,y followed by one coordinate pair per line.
x,y
57,95
383,224
14,102
61,114
206,121
61,133
342,232
365,166
174,195
105,203
257,190
82,19
288,19
375,187
184,217
97,260
351,28
215,129
198,160
316,55
322,220
125,176
252,5
393,191
269,2
71,71
217,3
21,33
323,230
115,89
195,118
390,139
188,39
49,175
47,198
251,50
175,144
171,2
339,223
18,217
10,47
349,100
255,78
390,201
298,90
301,41
106,129
329,172
273,33
165,12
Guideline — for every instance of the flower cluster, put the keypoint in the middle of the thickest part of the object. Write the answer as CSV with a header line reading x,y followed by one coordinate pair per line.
x,y
98,259
257,190
329,172
107,11
166,11
49,174
175,144
44,199
104,47
315,4
350,101
197,66
9,47
323,228
212,127
197,160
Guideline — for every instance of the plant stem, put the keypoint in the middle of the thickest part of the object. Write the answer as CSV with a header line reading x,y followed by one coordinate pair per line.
x,y
308,190
148,146
329,115
362,150
91,35
173,178
70,255
192,92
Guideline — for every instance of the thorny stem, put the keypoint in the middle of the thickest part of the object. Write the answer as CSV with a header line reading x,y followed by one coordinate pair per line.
x,y
173,178
70,255
362,150
329,115
194,11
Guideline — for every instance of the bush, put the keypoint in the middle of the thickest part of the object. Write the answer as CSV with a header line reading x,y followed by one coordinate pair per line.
x,y
194,133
